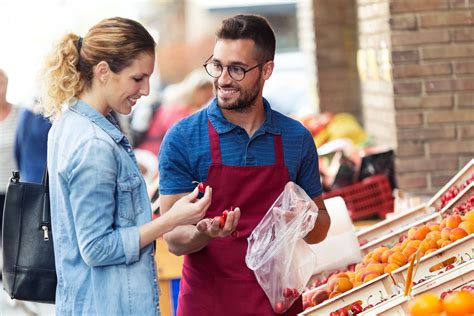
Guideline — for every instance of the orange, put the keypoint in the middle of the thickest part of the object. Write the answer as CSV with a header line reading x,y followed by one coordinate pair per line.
x,y
459,303
426,304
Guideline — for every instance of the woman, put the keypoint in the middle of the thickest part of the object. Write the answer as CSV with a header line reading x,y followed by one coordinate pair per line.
x,y
101,217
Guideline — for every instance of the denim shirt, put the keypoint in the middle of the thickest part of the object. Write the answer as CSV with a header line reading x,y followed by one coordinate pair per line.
x,y
98,201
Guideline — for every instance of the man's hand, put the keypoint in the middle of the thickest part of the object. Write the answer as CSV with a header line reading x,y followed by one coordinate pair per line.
x,y
210,227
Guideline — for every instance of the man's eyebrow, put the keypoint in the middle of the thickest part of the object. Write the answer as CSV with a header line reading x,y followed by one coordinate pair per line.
x,y
233,63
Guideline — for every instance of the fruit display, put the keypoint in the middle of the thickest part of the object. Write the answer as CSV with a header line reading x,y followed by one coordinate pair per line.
x,y
389,263
459,182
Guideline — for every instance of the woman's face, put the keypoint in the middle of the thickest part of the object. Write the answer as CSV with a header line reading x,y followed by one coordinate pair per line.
x,y
123,89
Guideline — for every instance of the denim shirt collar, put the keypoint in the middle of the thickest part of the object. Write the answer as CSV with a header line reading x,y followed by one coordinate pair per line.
x,y
107,123
222,125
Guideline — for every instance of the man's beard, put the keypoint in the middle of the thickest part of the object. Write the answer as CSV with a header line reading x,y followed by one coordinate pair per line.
x,y
244,102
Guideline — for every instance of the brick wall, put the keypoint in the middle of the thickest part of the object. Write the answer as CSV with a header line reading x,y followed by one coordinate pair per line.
x,y
335,26
433,83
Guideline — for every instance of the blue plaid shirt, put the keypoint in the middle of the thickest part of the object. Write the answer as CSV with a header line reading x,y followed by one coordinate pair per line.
x,y
185,153
98,201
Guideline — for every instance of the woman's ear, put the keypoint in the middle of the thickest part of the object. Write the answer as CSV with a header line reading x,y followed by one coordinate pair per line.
x,y
268,69
102,71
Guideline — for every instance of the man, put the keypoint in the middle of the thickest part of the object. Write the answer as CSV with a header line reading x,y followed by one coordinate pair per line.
x,y
247,153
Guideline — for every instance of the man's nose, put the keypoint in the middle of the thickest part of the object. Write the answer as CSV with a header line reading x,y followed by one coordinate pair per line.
x,y
224,77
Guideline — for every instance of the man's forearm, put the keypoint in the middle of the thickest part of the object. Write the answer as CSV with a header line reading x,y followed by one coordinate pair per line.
x,y
187,239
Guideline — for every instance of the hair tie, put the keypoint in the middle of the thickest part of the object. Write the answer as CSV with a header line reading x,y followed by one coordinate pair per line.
x,y
79,44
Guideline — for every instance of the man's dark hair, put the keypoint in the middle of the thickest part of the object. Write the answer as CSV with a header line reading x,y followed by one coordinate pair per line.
x,y
254,27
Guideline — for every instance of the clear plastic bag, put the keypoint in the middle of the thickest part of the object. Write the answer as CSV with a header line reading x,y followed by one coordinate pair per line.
x,y
281,260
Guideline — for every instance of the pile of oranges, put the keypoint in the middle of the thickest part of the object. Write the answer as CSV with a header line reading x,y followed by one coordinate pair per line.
x,y
423,239
455,303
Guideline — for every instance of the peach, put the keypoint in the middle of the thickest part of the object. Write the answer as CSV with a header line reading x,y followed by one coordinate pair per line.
x,y
334,294
370,275
444,243
405,243
421,232
377,254
385,255
434,235
467,226
452,221
319,297
376,267
428,244
358,276
413,244
469,216
390,267
367,258
411,233
457,233
359,266
433,226
442,224
398,258
445,233
408,251
343,285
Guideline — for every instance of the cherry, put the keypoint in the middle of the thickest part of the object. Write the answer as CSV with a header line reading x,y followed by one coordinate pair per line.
x,y
295,293
356,309
287,292
368,307
343,312
279,307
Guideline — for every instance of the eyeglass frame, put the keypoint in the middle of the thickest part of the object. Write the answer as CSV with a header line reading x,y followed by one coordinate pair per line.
x,y
207,62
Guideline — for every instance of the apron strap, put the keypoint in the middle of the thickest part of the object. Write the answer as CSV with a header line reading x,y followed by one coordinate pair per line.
x,y
216,147
278,145
214,143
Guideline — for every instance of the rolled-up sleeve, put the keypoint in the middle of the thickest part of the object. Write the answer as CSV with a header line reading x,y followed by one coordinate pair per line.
x,y
92,181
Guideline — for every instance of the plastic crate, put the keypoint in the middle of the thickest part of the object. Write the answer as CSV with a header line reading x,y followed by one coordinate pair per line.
x,y
371,196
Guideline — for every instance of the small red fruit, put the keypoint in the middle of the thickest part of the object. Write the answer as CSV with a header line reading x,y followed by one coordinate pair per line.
x,y
287,292
279,307
202,187
356,309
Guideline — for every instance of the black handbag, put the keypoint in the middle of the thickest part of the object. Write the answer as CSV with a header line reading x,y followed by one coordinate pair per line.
x,y
29,271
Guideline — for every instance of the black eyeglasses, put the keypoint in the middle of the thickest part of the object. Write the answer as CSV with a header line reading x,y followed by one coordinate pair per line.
x,y
215,69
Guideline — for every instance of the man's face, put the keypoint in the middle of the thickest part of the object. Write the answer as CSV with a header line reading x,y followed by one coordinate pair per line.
x,y
231,94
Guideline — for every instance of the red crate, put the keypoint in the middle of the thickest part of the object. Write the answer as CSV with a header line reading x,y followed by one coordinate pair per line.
x,y
373,195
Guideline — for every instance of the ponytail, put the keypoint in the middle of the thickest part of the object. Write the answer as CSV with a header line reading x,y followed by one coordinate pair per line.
x,y
61,79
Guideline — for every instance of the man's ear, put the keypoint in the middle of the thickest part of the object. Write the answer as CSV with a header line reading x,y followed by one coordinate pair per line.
x,y
268,69
102,71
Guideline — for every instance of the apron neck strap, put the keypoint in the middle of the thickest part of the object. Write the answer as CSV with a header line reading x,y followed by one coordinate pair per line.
x,y
216,147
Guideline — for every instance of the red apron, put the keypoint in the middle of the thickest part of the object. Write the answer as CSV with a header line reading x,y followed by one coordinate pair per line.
x,y
216,280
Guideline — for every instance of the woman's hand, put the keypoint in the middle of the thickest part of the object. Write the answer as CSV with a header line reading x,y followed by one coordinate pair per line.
x,y
188,210
211,228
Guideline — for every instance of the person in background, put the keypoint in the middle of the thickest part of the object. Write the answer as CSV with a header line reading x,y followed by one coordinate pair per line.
x,y
247,152
101,217
31,144
8,122
179,101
